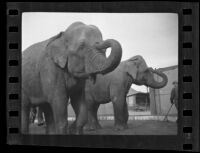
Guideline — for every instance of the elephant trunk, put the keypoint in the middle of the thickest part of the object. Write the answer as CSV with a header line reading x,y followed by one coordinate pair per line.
x,y
156,84
109,64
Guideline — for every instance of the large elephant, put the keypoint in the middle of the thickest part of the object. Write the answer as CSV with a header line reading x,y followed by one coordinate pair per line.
x,y
56,69
114,87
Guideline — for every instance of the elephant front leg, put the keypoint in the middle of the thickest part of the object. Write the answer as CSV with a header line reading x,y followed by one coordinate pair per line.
x,y
93,123
81,118
49,118
81,113
59,109
120,113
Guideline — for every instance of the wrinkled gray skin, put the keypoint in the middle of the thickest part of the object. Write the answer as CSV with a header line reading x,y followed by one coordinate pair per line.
x,y
114,87
56,69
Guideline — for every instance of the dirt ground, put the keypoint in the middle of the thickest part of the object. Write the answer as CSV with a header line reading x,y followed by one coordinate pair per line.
x,y
135,127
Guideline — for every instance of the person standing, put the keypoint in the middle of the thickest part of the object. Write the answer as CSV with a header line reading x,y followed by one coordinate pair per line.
x,y
174,95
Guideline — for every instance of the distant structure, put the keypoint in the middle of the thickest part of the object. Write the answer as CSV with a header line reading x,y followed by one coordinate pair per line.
x,y
137,101
131,97
160,98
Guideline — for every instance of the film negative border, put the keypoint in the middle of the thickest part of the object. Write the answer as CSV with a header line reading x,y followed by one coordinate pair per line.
x,y
188,124
13,74
189,64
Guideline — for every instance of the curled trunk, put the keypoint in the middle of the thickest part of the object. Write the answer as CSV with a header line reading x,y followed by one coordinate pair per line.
x,y
96,61
106,65
155,84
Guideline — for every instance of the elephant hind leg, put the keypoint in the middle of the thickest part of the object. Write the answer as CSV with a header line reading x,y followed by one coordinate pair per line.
x,y
40,116
75,106
32,114
98,125
25,114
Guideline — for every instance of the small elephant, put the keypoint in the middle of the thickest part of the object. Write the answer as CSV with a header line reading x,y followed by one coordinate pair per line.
x,y
56,69
114,87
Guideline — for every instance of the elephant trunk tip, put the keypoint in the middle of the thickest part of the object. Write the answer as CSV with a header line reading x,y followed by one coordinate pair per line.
x,y
114,58
157,85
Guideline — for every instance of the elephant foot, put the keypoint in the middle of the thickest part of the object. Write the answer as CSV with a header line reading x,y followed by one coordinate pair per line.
x,y
119,127
50,132
72,128
75,130
98,126
93,127
79,131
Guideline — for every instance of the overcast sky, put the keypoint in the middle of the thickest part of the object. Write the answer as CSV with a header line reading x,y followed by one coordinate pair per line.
x,y
151,35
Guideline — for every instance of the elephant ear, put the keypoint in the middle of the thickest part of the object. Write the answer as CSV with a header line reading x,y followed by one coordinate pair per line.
x,y
57,50
134,66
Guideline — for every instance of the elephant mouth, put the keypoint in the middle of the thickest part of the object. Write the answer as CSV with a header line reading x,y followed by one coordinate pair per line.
x,y
81,75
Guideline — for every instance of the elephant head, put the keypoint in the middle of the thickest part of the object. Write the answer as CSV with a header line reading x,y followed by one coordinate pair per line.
x,y
137,69
79,50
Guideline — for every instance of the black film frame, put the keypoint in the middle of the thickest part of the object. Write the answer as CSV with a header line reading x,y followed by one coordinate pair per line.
x,y
188,73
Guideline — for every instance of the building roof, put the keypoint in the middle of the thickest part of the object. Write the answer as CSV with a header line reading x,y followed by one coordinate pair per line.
x,y
168,68
132,92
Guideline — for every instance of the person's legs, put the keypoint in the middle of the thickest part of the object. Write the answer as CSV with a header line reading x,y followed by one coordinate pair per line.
x,y
176,105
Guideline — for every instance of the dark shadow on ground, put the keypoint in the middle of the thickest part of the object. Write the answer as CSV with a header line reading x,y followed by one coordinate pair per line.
x,y
138,128
147,127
